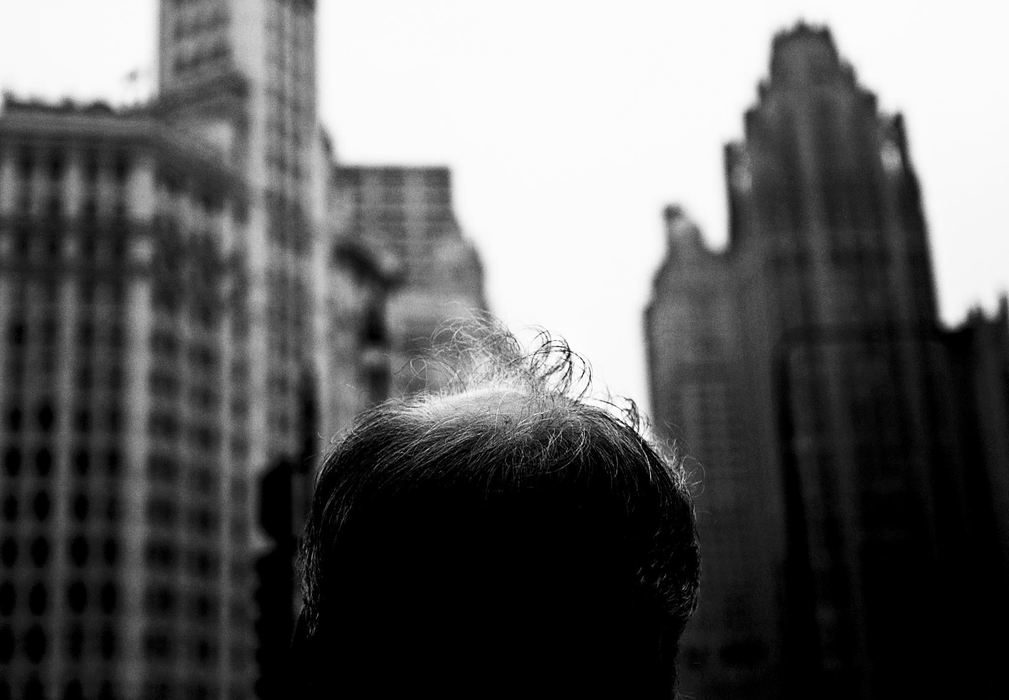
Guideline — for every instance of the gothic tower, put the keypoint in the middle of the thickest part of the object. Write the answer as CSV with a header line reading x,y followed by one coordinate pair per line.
x,y
833,392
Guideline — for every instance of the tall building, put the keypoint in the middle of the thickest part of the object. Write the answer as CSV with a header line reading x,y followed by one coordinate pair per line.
x,y
183,318
697,359
406,213
806,370
241,75
125,406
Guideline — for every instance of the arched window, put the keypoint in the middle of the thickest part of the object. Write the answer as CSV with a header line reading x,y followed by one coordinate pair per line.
x,y
9,552
38,599
41,506
43,461
77,596
11,509
12,461
79,551
36,644
40,551
46,416
81,507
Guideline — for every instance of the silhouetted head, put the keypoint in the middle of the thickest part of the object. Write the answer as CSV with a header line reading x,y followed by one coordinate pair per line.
x,y
508,537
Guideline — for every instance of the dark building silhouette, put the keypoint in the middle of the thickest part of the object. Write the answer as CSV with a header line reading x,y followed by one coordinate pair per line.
x,y
837,427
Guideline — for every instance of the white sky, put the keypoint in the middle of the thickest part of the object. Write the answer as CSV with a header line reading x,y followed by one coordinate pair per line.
x,y
570,123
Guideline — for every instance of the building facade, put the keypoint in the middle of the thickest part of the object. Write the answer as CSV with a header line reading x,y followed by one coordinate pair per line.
x,y
696,357
241,75
185,314
823,409
126,401
406,213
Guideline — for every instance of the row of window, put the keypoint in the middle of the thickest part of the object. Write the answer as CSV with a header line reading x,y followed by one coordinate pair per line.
x,y
33,689
41,297
199,18
52,209
82,461
167,427
160,644
79,598
164,513
53,164
80,551
202,56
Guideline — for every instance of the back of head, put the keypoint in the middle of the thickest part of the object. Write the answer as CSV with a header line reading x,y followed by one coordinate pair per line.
x,y
508,538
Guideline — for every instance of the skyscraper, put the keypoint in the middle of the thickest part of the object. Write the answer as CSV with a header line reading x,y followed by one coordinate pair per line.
x,y
241,75
406,213
697,359
125,399
806,370
180,313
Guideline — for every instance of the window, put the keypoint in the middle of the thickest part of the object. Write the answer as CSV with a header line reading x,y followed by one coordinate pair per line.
x,y
162,468
82,462
108,649
113,420
14,419
73,691
109,597
56,166
112,510
41,506
6,652
46,416
9,552
157,645
159,600
91,167
54,208
16,333
27,163
122,168
79,551
38,599
110,551
77,596
161,512
75,641
81,506
43,461
12,461
11,508
40,551
160,555
33,688
86,334
8,598
35,647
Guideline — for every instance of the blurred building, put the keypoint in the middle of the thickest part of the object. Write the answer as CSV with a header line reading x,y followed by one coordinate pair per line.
x,y
406,213
697,362
805,369
186,317
125,403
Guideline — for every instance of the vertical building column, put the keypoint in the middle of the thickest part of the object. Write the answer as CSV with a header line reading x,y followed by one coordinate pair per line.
x,y
68,360
136,409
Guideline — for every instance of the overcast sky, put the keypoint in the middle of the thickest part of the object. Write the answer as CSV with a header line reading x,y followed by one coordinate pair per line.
x,y
570,123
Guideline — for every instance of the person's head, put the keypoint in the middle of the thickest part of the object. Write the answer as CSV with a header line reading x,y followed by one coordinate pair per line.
x,y
505,538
